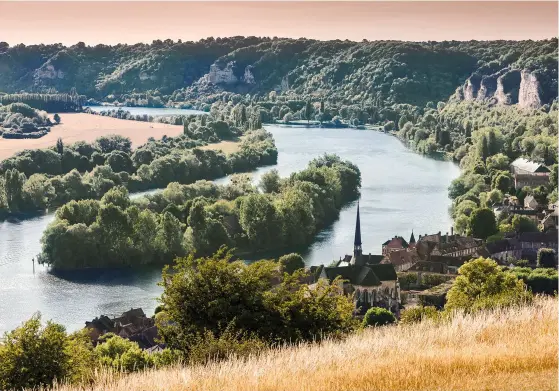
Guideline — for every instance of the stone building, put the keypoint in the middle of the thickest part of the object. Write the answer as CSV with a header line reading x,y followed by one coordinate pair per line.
x,y
371,283
528,173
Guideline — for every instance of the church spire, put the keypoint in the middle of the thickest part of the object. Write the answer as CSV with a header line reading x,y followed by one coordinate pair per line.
x,y
412,238
357,250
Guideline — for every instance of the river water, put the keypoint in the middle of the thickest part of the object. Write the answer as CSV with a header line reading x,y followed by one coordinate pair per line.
x,y
153,111
400,191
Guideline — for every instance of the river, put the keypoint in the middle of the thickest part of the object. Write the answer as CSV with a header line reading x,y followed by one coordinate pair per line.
x,y
153,111
400,191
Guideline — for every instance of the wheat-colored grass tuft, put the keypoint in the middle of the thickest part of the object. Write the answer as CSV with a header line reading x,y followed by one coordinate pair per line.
x,y
510,349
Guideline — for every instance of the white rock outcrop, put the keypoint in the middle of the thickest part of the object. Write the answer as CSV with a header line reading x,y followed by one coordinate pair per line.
x,y
529,92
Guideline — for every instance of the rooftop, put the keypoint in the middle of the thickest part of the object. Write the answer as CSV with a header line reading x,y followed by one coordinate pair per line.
x,y
528,165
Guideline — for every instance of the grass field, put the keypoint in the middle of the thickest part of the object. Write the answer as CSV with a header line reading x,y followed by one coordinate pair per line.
x,y
513,349
87,127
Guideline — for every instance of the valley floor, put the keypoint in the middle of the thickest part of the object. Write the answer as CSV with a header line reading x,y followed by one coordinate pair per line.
x,y
87,127
513,349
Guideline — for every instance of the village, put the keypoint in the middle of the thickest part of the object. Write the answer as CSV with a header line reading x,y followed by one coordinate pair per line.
x,y
417,271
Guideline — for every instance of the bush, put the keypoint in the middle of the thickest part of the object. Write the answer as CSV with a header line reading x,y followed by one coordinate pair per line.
x,y
121,354
546,258
376,316
33,356
417,314
481,284
291,262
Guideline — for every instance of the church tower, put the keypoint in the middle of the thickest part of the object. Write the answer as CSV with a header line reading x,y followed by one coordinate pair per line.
x,y
357,249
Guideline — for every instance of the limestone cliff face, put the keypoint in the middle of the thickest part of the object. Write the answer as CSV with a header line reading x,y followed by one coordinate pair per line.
x,y
505,87
49,72
529,91
470,89
225,75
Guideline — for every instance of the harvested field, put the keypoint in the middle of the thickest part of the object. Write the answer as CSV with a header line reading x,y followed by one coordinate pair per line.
x,y
87,127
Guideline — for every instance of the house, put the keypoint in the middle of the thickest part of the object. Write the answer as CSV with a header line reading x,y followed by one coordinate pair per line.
x,y
531,203
397,243
133,325
523,245
550,221
447,245
364,276
401,259
528,173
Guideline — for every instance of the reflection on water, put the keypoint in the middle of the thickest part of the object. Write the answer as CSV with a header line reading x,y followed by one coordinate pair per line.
x,y
401,191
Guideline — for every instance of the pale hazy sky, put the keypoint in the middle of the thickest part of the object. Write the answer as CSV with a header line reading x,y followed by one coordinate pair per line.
x,y
130,22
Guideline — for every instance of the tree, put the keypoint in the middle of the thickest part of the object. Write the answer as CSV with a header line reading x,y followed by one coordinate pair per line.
x,y
376,316
481,283
217,295
56,118
523,224
483,148
389,126
553,176
289,263
121,354
482,223
33,355
270,182
60,146
546,258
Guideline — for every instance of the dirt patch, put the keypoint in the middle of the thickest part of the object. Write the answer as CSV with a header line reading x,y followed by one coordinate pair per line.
x,y
87,127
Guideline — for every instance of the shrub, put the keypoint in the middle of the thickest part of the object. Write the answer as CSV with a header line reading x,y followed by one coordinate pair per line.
x,y
546,258
376,316
417,314
481,283
33,355
291,262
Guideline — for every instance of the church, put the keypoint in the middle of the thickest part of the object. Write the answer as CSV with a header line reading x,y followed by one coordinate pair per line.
x,y
371,283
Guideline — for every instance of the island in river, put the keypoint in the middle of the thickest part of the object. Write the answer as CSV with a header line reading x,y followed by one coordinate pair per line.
x,y
400,191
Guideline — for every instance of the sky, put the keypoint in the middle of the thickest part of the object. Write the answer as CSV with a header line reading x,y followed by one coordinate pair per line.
x,y
131,22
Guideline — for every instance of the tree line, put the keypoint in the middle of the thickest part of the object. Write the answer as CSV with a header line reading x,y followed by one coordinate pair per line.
x,y
200,218
34,180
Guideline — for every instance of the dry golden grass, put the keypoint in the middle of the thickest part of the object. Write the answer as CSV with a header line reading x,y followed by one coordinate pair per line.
x,y
503,350
87,127
226,147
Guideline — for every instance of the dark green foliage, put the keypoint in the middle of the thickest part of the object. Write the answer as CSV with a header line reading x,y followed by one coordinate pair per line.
x,y
546,258
540,280
224,298
482,223
524,224
376,316
481,284
290,263
32,355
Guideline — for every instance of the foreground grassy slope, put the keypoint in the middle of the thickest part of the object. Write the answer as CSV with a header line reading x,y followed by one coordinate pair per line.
x,y
514,349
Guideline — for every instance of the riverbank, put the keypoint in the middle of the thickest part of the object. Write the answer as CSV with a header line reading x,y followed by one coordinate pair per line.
x,y
86,127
